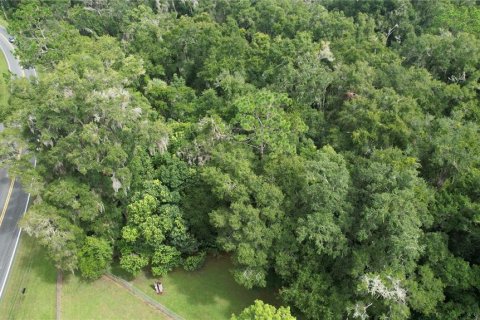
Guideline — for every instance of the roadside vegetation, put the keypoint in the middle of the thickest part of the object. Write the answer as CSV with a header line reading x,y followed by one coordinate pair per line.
x,y
332,146
3,21
3,82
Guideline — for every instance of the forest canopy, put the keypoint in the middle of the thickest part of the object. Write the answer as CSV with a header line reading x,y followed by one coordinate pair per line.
x,y
330,147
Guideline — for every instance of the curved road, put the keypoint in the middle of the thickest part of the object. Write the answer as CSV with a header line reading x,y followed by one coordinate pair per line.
x,y
13,201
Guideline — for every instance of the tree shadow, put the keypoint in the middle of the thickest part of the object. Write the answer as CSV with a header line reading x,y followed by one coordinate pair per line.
x,y
36,262
211,287
116,270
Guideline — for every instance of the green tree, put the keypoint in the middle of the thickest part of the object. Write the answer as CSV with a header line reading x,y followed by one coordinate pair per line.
x,y
329,146
82,131
262,311
393,209
250,214
155,232
449,57
42,35
266,125
164,260
452,150
61,238
94,257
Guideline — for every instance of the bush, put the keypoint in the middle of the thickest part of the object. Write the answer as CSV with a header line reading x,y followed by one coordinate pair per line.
x,y
132,262
164,260
195,262
94,258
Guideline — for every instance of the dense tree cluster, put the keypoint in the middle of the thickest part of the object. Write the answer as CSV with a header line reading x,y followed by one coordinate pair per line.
x,y
329,146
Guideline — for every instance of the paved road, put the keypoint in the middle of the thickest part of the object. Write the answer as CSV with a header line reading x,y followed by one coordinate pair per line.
x,y
13,201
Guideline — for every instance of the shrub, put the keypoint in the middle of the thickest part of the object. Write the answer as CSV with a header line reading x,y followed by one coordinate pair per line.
x,y
195,262
94,258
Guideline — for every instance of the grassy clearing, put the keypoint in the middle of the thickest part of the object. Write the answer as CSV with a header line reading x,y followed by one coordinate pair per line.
x,y
210,293
207,294
31,270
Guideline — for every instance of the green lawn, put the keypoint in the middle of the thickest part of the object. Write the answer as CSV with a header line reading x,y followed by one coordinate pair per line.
x,y
210,293
31,270
101,299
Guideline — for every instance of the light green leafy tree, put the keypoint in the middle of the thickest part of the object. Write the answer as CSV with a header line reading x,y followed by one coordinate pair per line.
x,y
155,231
94,257
262,311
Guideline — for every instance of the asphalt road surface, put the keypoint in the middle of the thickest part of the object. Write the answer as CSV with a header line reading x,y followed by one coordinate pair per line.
x,y
13,201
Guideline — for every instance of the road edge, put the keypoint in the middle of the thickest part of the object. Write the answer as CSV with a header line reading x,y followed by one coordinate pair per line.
x,y
12,258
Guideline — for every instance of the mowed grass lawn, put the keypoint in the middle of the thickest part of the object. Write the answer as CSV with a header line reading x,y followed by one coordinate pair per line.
x,y
31,270
207,294
101,299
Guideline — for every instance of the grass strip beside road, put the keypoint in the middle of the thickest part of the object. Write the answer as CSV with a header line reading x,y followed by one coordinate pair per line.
x,y
33,271
101,299
3,83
